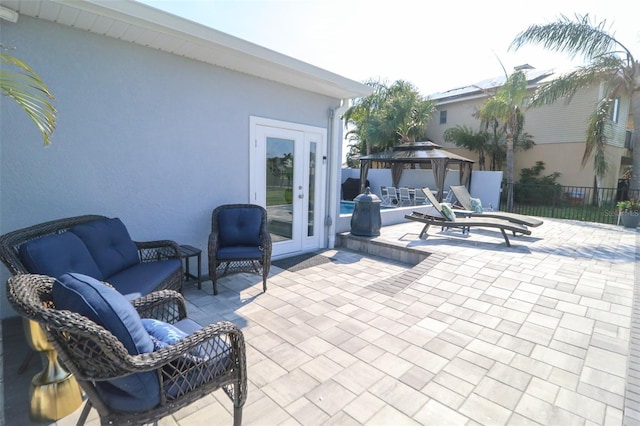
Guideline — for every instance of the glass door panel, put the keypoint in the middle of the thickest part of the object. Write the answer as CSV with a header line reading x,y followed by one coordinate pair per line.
x,y
311,190
280,168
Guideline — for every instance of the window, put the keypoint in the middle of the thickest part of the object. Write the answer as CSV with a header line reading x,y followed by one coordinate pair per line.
x,y
615,111
443,117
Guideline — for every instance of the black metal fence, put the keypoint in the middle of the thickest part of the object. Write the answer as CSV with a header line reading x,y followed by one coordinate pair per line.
x,y
568,202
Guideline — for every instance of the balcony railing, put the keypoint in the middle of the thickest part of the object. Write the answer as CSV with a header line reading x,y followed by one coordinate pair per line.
x,y
568,202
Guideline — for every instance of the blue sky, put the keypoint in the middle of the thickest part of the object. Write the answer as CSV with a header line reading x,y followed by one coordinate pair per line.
x,y
437,46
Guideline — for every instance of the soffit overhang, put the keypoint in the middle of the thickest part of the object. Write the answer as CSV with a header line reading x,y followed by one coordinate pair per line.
x,y
144,25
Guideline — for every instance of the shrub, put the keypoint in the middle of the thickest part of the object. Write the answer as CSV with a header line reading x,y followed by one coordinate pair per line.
x,y
532,188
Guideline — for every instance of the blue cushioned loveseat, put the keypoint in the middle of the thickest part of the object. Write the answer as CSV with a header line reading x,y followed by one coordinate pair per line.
x,y
97,246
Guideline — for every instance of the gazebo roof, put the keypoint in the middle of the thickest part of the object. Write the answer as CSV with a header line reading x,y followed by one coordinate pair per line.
x,y
416,152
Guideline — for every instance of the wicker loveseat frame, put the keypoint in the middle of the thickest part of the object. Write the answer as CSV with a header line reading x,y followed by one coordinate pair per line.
x,y
148,251
93,354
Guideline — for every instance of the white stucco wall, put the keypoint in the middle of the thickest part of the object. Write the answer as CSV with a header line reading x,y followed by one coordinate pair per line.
x,y
155,139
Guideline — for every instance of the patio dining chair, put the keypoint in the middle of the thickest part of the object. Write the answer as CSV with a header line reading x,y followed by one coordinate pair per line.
x,y
405,197
137,361
392,197
419,198
384,196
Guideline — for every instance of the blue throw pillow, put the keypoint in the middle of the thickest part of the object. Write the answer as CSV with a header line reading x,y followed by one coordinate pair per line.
x,y
162,333
110,309
476,205
110,245
200,365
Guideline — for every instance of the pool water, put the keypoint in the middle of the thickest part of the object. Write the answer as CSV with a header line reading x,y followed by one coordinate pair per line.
x,y
346,207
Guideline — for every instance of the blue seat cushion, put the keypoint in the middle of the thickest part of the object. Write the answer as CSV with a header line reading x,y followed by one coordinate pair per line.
x,y
239,227
238,253
200,365
54,255
110,245
110,309
144,277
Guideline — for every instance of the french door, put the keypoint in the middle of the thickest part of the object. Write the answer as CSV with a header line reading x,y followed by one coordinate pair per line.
x,y
287,178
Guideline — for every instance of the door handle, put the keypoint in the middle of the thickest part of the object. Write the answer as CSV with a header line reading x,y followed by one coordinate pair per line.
x,y
300,196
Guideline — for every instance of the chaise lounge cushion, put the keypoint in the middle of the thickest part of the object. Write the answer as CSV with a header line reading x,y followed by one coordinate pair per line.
x,y
110,245
110,309
54,255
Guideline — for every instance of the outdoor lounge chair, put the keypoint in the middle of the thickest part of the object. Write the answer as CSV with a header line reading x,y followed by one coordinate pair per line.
x,y
466,223
464,200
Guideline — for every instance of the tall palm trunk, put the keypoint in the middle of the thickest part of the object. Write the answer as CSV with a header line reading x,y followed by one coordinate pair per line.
x,y
510,165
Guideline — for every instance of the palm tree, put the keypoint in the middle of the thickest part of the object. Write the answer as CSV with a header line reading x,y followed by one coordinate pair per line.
x,y
609,61
390,115
465,137
505,107
363,119
23,85
406,112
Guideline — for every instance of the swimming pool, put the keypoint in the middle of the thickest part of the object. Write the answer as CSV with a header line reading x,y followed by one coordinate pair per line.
x,y
346,207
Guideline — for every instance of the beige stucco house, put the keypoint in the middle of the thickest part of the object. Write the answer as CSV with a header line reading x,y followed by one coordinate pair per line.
x,y
558,130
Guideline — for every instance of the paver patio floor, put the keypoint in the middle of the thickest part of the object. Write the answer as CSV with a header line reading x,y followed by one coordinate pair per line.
x,y
538,333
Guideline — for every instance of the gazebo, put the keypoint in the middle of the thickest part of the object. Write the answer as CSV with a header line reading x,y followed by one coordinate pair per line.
x,y
417,153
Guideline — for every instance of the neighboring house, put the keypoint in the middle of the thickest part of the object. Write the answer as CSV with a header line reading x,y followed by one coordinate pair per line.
x,y
559,130
161,119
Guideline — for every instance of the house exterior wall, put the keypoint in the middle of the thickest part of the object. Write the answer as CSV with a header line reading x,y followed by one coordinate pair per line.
x,y
558,131
155,139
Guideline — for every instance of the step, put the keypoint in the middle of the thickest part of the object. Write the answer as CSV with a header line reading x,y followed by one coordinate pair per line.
x,y
375,247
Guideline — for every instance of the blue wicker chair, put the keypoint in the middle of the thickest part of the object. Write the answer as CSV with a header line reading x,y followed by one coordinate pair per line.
x,y
239,242
129,376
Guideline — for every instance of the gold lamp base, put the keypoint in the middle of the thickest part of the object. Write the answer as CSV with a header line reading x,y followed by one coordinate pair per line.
x,y
54,392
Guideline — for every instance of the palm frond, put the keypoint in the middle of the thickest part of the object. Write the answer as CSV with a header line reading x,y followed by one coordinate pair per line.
x,y
24,86
582,77
579,37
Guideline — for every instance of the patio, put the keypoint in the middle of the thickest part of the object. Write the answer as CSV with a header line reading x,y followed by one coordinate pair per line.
x,y
477,332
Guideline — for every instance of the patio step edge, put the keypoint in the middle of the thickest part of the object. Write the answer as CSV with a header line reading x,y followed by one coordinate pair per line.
x,y
375,247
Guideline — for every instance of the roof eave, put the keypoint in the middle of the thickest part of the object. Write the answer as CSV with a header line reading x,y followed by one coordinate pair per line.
x,y
144,25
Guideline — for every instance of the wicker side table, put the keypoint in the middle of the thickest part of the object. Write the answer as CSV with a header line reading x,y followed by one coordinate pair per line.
x,y
187,252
